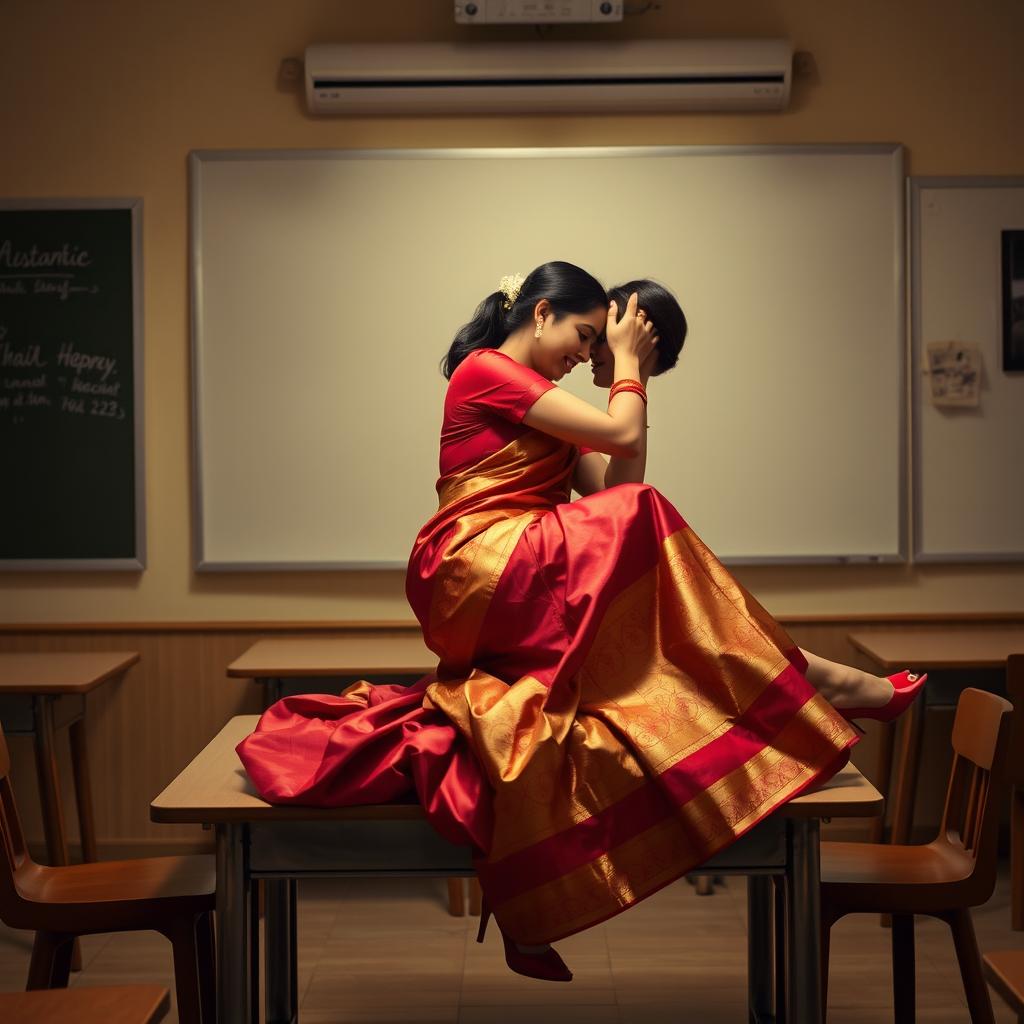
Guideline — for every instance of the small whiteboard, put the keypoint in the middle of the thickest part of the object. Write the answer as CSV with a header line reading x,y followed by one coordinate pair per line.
x,y
327,286
968,462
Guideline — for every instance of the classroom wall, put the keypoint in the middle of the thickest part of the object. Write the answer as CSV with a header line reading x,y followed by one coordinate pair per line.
x,y
108,98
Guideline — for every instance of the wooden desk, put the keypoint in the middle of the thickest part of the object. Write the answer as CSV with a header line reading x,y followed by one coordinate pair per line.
x,y
272,661
256,840
121,1004
40,693
928,650
963,656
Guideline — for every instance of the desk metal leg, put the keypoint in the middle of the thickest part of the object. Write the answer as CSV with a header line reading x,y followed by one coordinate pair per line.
x,y
233,938
760,948
281,940
1017,858
273,691
803,956
49,782
883,772
906,776
779,898
49,794
83,789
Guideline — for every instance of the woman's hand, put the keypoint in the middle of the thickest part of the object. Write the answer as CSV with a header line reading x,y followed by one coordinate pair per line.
x,y
633,335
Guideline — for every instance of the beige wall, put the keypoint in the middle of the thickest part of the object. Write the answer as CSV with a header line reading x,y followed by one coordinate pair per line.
x,y
107,98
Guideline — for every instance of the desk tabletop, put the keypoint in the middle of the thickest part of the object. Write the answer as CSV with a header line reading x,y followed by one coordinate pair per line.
x,y
214,789
52,672
954,647
283,657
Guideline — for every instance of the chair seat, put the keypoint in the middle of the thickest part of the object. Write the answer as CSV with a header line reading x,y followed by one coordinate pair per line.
x,y
1005,971
869,864
117,890
122,1004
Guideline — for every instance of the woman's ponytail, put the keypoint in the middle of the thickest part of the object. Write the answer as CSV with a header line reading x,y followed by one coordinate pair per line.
x,y
485,330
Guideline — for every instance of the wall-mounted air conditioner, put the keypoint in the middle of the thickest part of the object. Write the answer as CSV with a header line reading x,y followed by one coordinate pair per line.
x,y
549,77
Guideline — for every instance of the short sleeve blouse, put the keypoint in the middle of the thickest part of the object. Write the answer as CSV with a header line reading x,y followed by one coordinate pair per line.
x,y
488,395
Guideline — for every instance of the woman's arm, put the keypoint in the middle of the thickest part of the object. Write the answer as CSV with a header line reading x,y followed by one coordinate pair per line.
x,y
618,432
594,472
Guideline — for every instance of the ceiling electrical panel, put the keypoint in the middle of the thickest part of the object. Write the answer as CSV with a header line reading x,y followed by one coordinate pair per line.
x,y
536,12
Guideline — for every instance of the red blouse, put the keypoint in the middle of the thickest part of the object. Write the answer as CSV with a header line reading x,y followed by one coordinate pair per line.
x,y
488,395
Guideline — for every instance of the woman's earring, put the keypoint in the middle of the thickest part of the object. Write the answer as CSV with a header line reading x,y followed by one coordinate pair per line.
x,y
540,329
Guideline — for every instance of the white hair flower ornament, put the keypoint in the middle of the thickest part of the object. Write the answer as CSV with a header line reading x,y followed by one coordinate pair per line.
x,y
509,287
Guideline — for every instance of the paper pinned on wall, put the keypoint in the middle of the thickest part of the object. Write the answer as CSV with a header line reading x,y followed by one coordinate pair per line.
x,y
954,369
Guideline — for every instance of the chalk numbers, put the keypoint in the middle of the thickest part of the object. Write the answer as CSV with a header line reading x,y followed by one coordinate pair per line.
x,y
105,407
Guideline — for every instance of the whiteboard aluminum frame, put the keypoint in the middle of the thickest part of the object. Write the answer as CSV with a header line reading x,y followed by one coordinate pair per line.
x,y
198,157
916,185
138,562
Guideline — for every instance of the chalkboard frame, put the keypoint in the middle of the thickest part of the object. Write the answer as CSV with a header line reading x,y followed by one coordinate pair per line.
x,y
137,561
917,186
898,554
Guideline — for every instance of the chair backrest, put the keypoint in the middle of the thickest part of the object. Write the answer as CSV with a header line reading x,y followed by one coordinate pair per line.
x,y
970,818
15,853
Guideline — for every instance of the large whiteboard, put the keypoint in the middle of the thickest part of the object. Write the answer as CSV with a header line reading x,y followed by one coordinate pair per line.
x,y
327,286
968,463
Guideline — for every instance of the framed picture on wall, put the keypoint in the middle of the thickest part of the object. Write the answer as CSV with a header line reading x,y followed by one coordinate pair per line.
x,y
1013,300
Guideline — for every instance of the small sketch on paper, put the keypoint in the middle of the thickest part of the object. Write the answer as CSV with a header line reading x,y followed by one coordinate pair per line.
x,y
954,369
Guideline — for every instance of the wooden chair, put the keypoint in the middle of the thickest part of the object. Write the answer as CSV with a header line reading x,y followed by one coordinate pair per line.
x,y
944,878
1005,972
121,1004
171,895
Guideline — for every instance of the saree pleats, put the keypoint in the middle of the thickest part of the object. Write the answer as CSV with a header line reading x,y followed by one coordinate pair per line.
x,y
610,707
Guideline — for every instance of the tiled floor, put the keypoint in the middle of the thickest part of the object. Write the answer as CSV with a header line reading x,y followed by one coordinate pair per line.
x,y
386,951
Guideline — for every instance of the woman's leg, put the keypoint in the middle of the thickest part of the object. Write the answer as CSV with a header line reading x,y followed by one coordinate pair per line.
x,y
846,687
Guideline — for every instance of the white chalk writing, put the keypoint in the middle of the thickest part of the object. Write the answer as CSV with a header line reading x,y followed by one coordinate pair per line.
x,y
68,355
23,358
67,255
14,383
89,388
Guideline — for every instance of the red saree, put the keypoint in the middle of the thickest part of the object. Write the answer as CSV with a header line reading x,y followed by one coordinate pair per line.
x,y
610,706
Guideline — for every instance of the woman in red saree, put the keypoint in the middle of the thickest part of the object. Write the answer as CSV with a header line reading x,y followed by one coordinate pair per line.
x,y
610,707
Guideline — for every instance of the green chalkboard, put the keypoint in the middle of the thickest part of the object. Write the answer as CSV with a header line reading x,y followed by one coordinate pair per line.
x,y
70,373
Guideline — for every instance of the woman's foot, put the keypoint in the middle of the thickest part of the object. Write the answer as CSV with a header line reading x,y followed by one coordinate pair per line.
x,y
905,686
846,687
540,962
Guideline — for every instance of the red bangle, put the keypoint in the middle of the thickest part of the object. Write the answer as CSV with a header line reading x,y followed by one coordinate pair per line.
x,y
636,390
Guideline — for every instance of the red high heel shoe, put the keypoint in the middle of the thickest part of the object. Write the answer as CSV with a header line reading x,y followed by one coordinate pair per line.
x,y
906,687
546,966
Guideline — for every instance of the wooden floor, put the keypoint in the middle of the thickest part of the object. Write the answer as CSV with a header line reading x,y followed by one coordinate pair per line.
x,y
386,951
